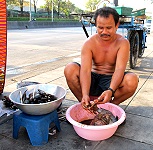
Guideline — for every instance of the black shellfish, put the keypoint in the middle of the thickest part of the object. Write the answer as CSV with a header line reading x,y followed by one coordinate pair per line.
x,y
37,97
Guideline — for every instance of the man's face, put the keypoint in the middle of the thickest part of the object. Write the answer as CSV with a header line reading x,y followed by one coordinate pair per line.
x,y
106,27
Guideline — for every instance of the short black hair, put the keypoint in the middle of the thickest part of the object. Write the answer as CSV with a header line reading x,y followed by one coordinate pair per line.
x,y
105,12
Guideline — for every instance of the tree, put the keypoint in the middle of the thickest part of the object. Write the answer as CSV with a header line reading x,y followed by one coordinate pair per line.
x,y
21,6
10,6
67,8
57,6
35,5
48,6
16,2
92,5
10,2
61,7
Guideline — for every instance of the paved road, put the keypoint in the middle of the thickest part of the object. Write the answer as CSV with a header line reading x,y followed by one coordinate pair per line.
x,y
29,50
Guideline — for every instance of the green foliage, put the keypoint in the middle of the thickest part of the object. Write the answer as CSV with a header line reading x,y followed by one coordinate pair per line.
x,y
10,2
91,5
61,8
17,18
67,8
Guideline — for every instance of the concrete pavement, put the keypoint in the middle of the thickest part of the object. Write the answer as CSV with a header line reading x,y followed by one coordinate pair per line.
x,y
136,134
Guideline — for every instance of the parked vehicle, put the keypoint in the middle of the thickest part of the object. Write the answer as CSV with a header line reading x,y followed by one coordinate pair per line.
x,y
147,25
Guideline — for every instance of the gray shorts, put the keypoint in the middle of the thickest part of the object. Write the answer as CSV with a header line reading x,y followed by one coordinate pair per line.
x,y
99,83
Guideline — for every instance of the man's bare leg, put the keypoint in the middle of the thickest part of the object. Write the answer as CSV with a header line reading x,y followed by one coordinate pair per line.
x,y
72,75
126,89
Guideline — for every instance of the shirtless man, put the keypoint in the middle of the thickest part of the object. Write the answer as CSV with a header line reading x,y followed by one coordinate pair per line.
x,y
104,57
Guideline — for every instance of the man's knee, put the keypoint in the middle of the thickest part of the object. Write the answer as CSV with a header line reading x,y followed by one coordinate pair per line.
x,y
71,69
131,81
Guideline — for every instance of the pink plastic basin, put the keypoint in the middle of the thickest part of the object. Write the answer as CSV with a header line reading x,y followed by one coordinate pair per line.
x,y
76,114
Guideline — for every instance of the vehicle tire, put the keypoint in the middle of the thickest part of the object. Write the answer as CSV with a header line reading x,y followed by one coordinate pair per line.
x,y
134,48
141,49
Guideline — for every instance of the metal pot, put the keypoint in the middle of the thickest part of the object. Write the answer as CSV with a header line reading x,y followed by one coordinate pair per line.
x,y
43,108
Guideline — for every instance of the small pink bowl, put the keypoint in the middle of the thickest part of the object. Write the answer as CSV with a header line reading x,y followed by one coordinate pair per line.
x,y
76,114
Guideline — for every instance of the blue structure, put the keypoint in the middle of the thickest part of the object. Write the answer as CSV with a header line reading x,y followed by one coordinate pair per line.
x,y
37,126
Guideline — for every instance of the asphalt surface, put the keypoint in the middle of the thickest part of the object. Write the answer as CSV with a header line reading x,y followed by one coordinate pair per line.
x,y
136,134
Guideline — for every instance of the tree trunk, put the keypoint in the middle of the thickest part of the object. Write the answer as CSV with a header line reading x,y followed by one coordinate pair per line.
x,y
21,7
35,8
58,8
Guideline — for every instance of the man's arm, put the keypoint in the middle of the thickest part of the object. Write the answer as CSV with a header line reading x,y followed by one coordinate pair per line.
x,y
121,63
85,73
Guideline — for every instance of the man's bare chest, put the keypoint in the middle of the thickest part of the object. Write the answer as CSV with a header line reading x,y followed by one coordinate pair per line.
x,y
104,54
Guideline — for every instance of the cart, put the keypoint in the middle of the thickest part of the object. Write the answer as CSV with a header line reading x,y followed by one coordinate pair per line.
x,y
136,32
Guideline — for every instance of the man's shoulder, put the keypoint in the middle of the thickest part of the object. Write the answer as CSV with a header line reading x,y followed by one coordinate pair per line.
x,y
93,36
122,42
90,39
120,38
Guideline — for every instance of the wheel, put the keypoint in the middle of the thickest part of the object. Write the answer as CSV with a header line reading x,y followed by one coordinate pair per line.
x,y
134,48
141,49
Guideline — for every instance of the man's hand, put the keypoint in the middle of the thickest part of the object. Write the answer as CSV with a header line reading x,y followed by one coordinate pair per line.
x,y
85,102
105,97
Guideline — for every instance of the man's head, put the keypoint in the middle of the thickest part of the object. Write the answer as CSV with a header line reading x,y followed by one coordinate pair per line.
x,y
107,22
106,12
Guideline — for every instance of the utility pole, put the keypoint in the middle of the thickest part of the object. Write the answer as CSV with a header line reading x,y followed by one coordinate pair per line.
x,y
30,19
52,11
